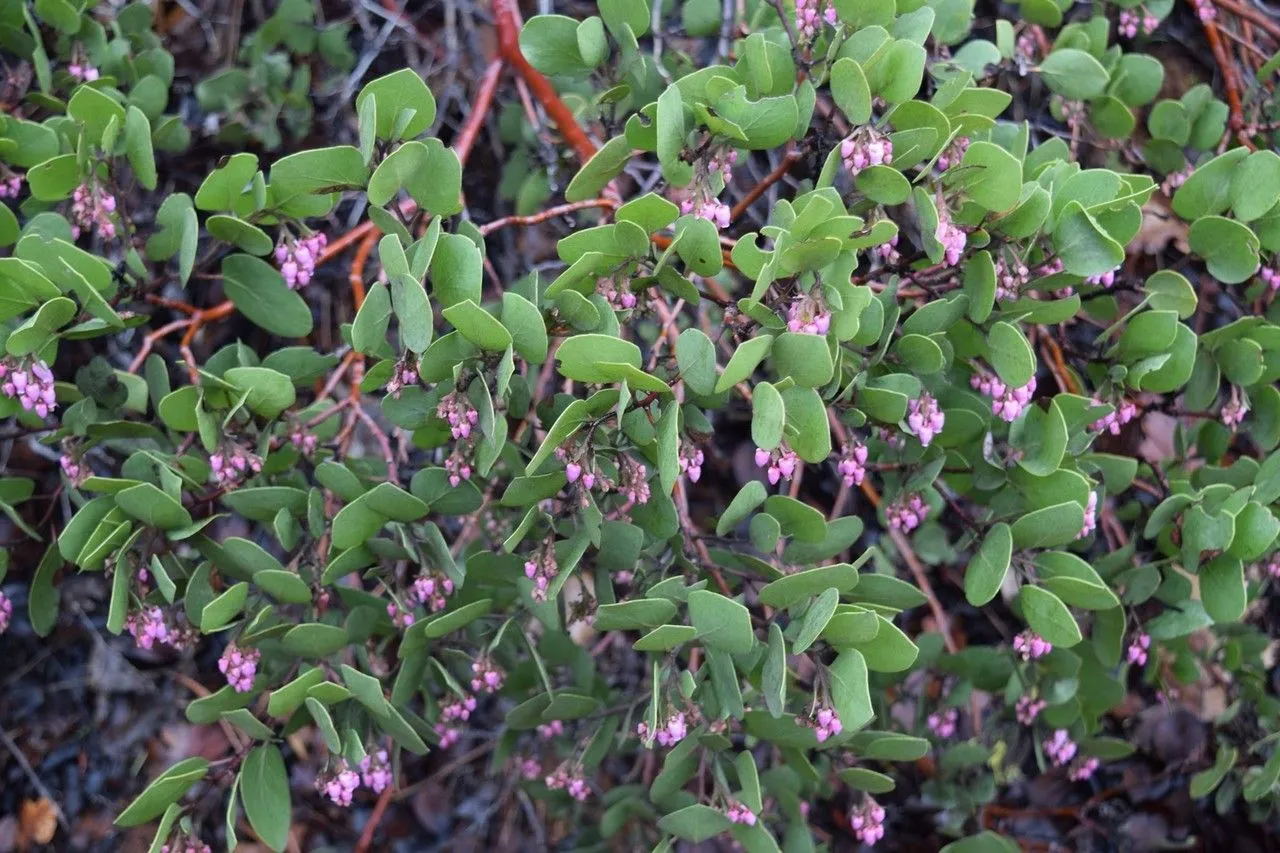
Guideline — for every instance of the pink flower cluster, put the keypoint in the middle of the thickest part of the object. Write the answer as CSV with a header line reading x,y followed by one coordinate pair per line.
x,y
1173,180
1031,646
867,821
6,612
924,417
633,482
30,384
375,771
1060,747
574,472
711,209
486,676
401,616
1007,403
542,568
723,164
74,471
547,731
230,466
1233,412
572,781
779,463
530,769
943,723
1106,279
1082,768
863,151
151,625
738,813
691,459
1138,646
461,415
951,236
1125,411
404,376
340,786
455,711
852,466
1134,22
670,733
92,208
83,71
1027,709
1090,516
1205,9
1270,277
1010,279
888,251
1273,565
239,666
907,513
458,464
619,297
297,258
825,723
431,591
953,153
808,315
11,187
187,844
809,17
304,441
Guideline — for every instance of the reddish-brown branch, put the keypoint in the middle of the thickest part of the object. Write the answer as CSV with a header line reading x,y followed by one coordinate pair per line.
x,y
466,138
788,160
1250,14
1230,82
365,844
150,341
549,213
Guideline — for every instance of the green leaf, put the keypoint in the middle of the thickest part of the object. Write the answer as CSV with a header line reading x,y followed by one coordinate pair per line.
x,y
1074,74
605,165
314,639
850,91
44,597
1222,589
790,589
550,44
798,519
1042,437
447,623
1010,354
816,618
695,823
696,358
428,171
633,615
394,94
768,415
664,638
55,178
1083,245
137,141
805,359
1204,782
850,692
264,790
721,622
269,392
890,650
167,789
1048,616
992,176
1208,189
95,111
222,189
581,355
528,331
153,507
258,291
1255,185
773,677
671,131
478,326
983,842
1229,248
747,499
215,615
744,361
990,565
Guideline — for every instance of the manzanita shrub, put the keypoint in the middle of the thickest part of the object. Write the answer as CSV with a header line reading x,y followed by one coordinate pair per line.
x,y
707,514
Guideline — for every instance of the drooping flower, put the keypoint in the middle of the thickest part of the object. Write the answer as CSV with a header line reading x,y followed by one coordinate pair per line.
x,y
1060,747
11,187
925,417
1124,412
1090,516
943,723
298,258
852,466
93,210
239,666
232,464
30,382
1031,646
340,785
487,676
865,149
1082,768
691,459
779,463
6,612
867,821
738,813
375,771
1027,709
1007,403
906,513
1137,652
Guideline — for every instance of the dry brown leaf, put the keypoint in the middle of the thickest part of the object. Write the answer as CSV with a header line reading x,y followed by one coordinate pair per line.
x,y
37,821
1160,227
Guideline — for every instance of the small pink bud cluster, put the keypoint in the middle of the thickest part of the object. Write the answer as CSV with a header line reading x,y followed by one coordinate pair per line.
x,y
1133,22
542,568
304,441
1090,516
1026,47
6,612
670,733
92,208
924,417
1060,747
943,723
633,482
458,464
808,315
1010,279
572,781
852,466
455,711
230,466
460,414
297,258
1125,411
825,723
404,376
951,236
691,459
1106,279
892,437
74,471
1031,646
11,187
1173,180
862,152
486,676
1205,10
530,769
1137,651
30,384
186,844
431,591
1273,565
375,771
619,297
1073,112
547,731
907,513
1233,413
401,616
888,251
738,813
1007,403
239,666
340,786
711,209
148,627
83,71
953,153
1270,277
1083,768
809,17
1027,709
779,463
867,821
724,164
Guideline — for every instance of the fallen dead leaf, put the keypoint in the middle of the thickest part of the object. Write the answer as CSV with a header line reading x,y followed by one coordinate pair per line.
x,y
37,821
1160,227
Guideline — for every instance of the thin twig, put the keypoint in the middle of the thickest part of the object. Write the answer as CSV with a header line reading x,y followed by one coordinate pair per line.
x,y
549,213
33,778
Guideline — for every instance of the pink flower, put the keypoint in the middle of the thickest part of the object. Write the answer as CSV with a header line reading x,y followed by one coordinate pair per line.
x,y
547,731
1125,411
341,786
1105,280
865,149
1233,413
691,459
297,258
1027,709
1008,403
30,382
953,153
148,627
907,513
738,813
1137,652
867,821
486,675
6,612
825,723
239,666
1010,279
943,723
572,781
1082,768
11,187
91,210
808,314
530,769
542,568
779,464
852,466
375,771
925,418
952,237
1090,516
1060,747
1031,646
